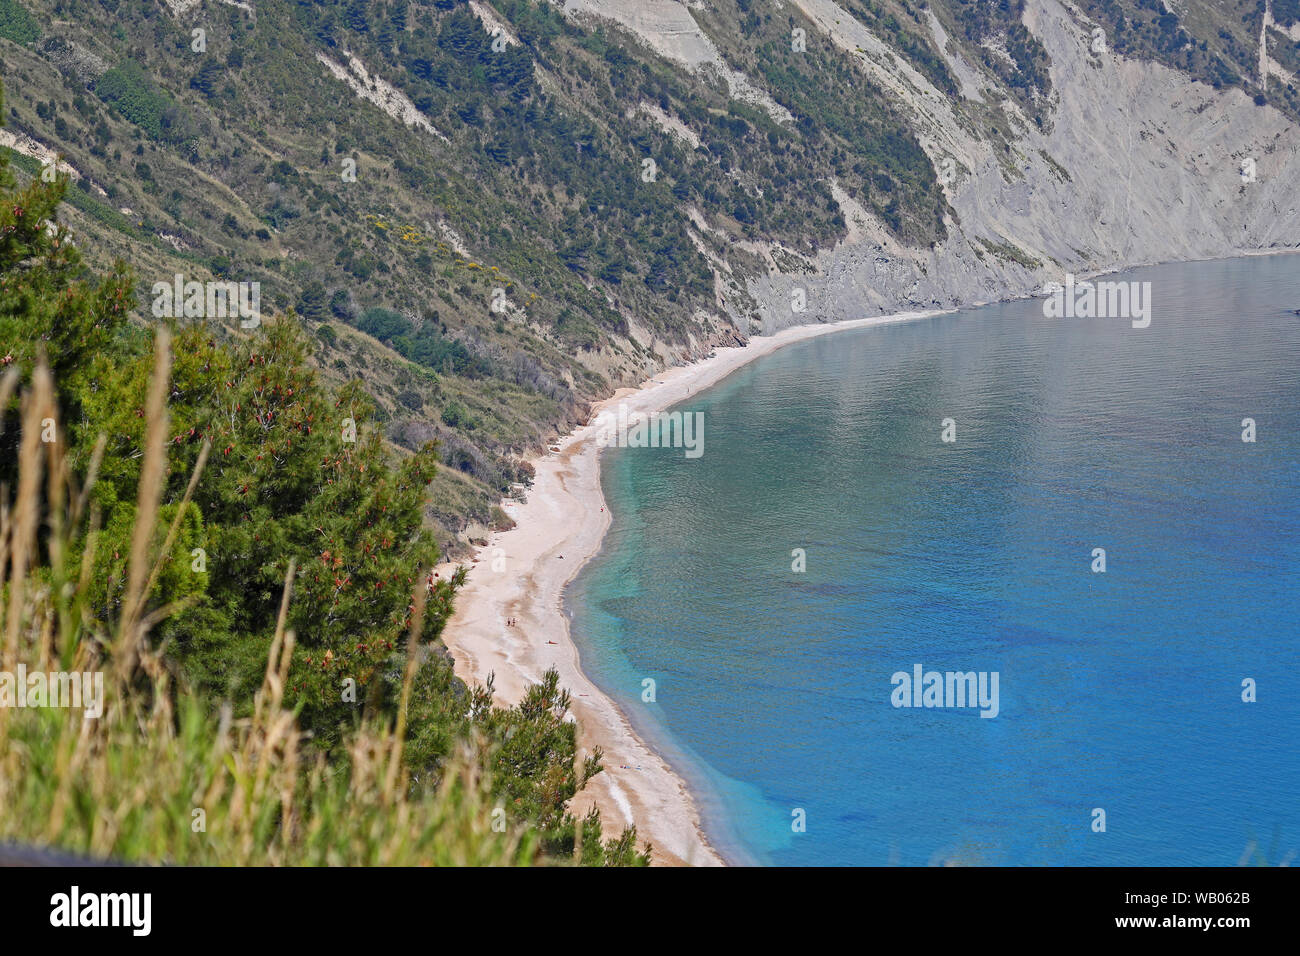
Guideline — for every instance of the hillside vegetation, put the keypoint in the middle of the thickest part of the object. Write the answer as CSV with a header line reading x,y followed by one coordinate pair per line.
x,y
468,220
494,213
231,544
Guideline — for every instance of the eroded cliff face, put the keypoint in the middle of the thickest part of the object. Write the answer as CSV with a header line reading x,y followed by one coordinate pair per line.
x,y
1136,164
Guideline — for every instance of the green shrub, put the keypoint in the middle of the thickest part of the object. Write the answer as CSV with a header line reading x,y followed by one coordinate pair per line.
x,y
17,24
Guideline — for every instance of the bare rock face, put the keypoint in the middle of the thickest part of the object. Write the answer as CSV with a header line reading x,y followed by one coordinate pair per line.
x,y
666,26
1138,164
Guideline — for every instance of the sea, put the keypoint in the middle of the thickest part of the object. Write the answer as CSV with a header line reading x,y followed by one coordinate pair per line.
x,y
1096,519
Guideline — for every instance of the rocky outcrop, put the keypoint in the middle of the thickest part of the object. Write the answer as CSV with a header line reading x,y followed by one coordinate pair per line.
x,y
377,90
1138,165
666,26
1141,165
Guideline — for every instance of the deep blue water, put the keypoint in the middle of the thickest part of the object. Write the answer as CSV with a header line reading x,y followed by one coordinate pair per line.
x,y
1119,690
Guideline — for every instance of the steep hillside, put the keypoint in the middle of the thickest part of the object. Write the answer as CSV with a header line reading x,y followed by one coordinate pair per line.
x,y
1135,165
492,212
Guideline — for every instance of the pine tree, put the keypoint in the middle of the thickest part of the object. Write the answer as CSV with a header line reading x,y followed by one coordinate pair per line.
x,y
45,306
295,473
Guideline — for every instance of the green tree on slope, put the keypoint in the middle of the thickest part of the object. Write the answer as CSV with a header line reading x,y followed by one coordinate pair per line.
x,y
294,472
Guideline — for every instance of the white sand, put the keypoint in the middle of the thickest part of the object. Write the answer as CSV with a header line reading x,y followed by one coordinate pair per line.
x,y
566,515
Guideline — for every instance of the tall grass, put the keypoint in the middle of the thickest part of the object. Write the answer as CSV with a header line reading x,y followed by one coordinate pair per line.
x,y
159,776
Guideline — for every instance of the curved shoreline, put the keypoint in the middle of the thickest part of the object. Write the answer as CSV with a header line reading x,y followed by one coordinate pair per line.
x,y
566,514
522,574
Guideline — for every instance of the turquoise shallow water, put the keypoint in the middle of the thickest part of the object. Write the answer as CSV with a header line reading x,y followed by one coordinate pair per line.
x,y
1119,690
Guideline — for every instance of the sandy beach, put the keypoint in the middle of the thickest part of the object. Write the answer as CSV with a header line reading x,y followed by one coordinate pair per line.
x,y
522,573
